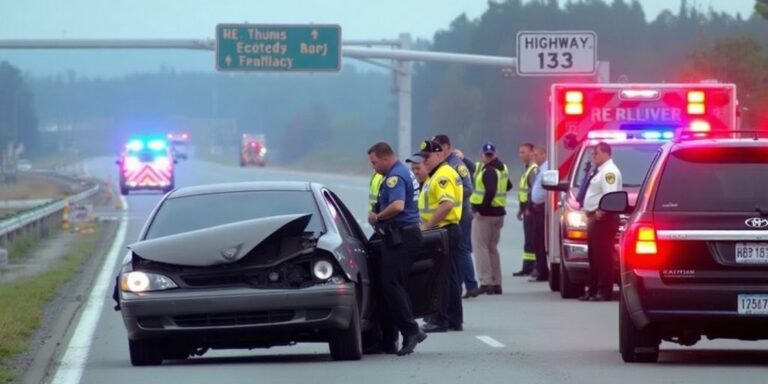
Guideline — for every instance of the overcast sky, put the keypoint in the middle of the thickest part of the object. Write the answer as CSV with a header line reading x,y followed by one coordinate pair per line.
x,y
197,18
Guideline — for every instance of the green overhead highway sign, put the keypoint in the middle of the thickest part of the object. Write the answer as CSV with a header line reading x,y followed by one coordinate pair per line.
x,y
278,48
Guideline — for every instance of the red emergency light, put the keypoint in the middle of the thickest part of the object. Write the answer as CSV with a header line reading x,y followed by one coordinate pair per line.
x,y
696,103
574,103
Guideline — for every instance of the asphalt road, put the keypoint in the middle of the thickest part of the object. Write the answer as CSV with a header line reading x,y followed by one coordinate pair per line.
x,y
527,335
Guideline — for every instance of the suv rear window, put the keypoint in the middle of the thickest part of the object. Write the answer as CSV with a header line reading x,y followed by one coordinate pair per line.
x,y
715,180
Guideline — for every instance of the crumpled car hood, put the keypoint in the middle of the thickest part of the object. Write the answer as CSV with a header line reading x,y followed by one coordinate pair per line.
x,y
224,244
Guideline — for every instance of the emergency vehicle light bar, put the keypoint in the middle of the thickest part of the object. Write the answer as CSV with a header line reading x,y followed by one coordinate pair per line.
x,y
574,103
696,104
645,94
627,135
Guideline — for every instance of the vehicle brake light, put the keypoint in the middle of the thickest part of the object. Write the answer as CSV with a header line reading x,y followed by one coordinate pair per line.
x,y
646,241
696,104
574,103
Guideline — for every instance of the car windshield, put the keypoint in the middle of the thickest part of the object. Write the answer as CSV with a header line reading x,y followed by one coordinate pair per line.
x,y
633,161
189,213
714,179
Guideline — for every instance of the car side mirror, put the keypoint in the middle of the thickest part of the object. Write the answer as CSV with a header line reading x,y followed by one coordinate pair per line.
x,y
615,202
550,180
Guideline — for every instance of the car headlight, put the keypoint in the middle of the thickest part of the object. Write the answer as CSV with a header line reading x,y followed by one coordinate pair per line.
x,y
138,282
576,219
323,270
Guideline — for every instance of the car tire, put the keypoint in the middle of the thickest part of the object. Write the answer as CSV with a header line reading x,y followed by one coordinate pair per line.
x,y
144,353
176,352
554,277
124,190
631,339
347,344
568,290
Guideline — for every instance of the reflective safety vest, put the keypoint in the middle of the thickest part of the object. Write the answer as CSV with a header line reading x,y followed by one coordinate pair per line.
x,y
500,198
373,190
524,188
444,184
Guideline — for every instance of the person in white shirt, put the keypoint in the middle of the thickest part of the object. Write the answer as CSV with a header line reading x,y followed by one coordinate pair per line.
x,y
601,226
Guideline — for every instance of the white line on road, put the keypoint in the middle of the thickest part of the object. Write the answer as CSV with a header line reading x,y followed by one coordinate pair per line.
x,y
490,341
76,355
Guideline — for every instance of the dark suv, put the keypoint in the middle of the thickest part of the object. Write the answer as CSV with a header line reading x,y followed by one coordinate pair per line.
x,y
694,255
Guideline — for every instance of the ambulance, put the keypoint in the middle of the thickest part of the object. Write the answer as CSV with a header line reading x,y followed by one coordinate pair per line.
x,y
253,149
635,120
146,164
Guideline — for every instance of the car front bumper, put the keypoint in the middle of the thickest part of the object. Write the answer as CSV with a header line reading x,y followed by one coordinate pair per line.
x,y
261,314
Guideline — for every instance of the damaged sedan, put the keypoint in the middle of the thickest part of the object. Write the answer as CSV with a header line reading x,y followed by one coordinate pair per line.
x,y
256,265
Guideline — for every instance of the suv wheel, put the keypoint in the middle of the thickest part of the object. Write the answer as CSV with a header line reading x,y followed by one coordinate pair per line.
x,y
636,345
568,290
347,344
144,352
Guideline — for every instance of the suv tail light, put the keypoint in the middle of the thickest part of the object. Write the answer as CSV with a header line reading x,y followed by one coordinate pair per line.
x,y
640,246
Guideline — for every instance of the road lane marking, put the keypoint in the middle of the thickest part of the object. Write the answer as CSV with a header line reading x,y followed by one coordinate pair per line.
x,y
490,341
70,369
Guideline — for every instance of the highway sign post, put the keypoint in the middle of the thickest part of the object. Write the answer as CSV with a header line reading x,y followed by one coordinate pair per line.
x,y
553,53
278,48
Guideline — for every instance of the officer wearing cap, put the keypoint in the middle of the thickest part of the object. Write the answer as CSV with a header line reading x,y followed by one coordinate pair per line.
x,y
601,226
419,171
440,205
465,169
398,224
489,201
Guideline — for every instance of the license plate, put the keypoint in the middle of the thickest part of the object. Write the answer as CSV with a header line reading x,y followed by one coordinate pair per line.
x,y
752,253
753,304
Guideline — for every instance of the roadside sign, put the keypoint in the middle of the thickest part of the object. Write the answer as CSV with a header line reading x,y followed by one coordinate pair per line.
x,y
553,53
278,48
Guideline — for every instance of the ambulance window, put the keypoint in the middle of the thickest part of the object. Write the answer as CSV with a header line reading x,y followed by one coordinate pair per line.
x,y
632,159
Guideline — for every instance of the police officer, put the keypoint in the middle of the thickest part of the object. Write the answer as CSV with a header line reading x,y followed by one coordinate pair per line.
x,y
601,226
524,188
489,202
465,169
398,224
440,206
536,210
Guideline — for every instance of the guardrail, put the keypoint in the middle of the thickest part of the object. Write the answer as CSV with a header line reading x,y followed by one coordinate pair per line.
x,y
32,216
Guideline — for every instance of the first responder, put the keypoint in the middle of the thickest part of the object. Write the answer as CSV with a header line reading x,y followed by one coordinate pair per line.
x,y
489,202
601,226
525,154
440,205
536,209
398,224
465,170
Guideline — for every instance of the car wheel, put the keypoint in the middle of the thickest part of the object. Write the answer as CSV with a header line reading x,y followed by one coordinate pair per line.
x,y
568,290
554,277
347,344
144,353
636,345
124,190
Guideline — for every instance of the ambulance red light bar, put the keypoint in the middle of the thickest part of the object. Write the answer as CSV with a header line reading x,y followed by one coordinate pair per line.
x,y
696,103
574,103
653,134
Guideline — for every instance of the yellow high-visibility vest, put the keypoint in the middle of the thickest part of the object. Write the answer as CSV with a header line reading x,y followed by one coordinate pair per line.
x,y
522,193
500,198
373,190
443,185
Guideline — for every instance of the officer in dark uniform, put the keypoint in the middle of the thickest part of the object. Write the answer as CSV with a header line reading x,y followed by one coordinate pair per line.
x,y
398,223
465,265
